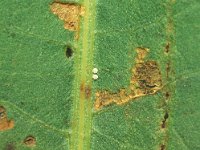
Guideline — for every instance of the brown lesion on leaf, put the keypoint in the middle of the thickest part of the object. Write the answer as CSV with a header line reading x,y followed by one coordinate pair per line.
x,y
68,12
5,123
168,69
30,141
162,147
167,48
85,90
146,79
163,124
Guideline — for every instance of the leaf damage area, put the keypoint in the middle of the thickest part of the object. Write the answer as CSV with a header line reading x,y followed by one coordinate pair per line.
x,y
68,12
85,90
30,141
146,79
5,123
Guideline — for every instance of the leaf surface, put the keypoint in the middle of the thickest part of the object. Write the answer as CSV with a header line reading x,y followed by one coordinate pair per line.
x,y
51,96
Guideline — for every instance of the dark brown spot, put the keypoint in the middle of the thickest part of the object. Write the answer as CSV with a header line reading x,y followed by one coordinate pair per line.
x,y
166,116
30,141
10,146
69,52
168,68
162,147
167,95
163,125
167,48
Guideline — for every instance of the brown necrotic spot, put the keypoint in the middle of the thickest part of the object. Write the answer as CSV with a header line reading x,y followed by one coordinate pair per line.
x,y
162,147
166,116
146,79
167,95
168,68
87,92
148,76
30,141
5,124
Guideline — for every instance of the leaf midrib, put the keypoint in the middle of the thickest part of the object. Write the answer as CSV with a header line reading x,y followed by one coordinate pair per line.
x,y
82,106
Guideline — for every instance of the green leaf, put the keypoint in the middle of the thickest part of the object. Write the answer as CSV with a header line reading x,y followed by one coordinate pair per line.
x,y
48,99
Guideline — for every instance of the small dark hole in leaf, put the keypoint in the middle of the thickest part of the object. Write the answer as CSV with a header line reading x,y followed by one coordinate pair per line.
x,y
69,52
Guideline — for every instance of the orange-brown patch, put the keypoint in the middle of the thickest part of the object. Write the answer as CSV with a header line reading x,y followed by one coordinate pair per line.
x,y
146,79
30,141
69,13
5,124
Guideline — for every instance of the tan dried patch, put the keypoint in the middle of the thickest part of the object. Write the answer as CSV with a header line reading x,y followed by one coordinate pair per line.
x,y
145,80
69,13
30,141
5,124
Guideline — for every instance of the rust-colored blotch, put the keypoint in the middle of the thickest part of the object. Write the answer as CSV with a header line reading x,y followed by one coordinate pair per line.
x,y
5,123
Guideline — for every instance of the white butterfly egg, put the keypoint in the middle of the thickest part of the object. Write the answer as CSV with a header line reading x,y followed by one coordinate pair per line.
x,y
95,77
95,70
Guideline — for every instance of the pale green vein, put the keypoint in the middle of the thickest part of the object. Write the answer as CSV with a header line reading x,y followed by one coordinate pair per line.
x,y
131,30
20,31
180,138
106,136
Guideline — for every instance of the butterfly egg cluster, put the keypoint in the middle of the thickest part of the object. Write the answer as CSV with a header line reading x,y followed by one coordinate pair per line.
x,y
95,76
